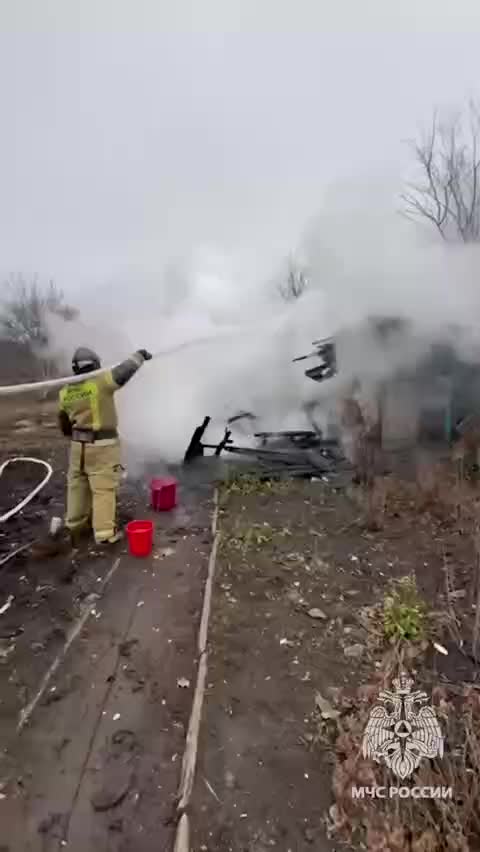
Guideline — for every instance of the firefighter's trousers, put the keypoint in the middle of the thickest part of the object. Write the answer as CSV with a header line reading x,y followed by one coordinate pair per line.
x,y
93,479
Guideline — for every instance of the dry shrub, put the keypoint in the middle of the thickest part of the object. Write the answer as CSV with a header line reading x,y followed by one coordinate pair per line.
x,y
439,492
430,481
411,825
377,495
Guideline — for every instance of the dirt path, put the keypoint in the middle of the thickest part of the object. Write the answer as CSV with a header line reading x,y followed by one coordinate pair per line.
x,y
102,651
98,766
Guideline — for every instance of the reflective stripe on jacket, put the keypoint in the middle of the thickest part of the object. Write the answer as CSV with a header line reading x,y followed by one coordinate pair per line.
x,y
90,404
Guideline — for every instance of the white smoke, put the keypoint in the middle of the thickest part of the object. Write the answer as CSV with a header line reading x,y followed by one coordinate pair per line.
x,y
363,259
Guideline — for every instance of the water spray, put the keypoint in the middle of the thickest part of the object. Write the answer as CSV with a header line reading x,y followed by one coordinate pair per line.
x,y
48,384
8,390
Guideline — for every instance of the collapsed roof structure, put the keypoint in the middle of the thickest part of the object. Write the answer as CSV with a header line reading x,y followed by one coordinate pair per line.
x,y
423,390
424,387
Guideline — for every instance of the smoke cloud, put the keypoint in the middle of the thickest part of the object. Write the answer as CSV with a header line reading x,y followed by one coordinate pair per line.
x,y
363,259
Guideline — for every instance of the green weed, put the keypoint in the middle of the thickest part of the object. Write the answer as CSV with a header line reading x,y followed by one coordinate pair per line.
x,y
404,614
245,484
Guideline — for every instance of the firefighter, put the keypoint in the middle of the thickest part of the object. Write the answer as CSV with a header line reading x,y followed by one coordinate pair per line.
x,y
87,415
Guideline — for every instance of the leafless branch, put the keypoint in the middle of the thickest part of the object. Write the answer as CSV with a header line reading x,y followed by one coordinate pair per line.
x,y
24,310
447,194
295,282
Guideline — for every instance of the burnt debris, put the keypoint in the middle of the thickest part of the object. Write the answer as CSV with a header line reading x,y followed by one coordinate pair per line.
x,y
325,351
424,403
301,453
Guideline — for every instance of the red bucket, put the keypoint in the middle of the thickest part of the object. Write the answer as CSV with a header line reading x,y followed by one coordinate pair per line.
x,y
163,493
140,537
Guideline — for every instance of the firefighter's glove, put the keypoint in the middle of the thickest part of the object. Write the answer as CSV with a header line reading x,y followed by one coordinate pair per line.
x,y
146,355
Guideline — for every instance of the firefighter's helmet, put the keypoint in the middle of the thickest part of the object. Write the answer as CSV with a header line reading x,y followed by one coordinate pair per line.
x,y
85,360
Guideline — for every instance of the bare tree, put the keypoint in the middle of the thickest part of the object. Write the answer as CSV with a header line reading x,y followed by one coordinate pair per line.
x,y
23,323
447,194
25,309
295,282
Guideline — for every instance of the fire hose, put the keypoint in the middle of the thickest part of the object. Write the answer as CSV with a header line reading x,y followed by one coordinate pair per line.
x,y
26,500
8,390
34,491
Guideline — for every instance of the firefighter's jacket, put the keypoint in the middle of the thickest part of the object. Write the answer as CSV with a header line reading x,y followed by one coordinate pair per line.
x,y
87,409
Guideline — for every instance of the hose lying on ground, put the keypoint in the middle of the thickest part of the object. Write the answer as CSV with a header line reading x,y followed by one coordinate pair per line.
x,y
15,552
32,493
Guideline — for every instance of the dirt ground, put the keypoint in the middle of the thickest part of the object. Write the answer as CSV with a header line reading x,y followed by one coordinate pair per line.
x,y
296,643
98,664
97,660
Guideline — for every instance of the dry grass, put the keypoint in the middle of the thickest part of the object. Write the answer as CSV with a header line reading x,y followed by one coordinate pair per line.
x,y
28,407
439,488
442,493
247,483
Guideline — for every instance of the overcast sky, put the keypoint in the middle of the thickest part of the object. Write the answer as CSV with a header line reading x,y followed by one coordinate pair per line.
x,y
134,131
